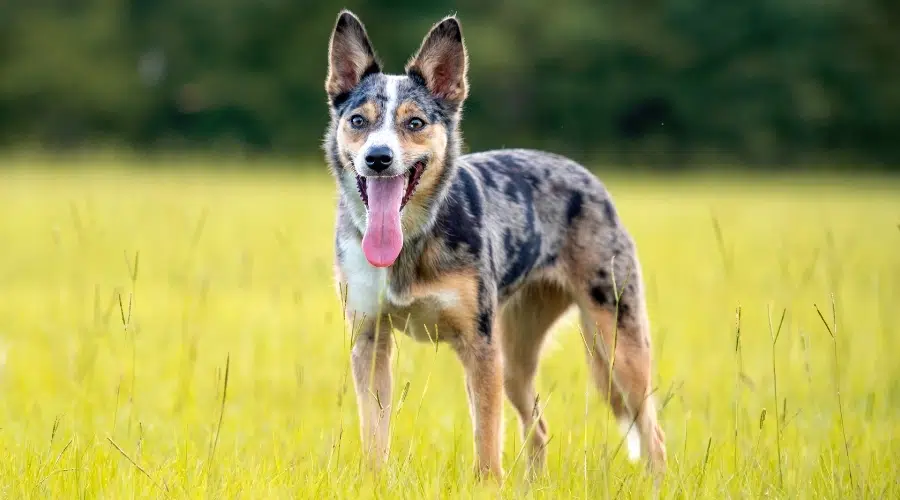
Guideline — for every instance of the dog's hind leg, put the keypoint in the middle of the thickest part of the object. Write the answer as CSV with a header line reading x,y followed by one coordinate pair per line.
x,y
605,278
526,319
371,363
625,345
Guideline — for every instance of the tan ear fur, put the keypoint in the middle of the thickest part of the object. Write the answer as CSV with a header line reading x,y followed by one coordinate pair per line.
x,y
350,55
442,61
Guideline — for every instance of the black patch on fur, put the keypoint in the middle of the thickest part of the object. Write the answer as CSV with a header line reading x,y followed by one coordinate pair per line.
x,y
508,163
417,77
521,245
449,29
344,20
484,323
621,294
460,228
521,255
372,69
609,211
512,167
511,192
488,179
532,179
509,245
461,216
600,296
470,188
574,207
340,99
364,91
623,314
602,275
486,313
551,259
493,266
605,296
627,290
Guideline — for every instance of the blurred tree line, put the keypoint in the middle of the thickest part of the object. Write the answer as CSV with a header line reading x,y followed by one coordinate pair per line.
x,y
755,81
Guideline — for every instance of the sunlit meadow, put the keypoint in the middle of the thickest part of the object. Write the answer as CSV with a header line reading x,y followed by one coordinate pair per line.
x,y
175,332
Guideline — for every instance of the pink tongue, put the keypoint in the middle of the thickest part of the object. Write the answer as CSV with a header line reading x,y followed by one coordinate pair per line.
x,y
384,237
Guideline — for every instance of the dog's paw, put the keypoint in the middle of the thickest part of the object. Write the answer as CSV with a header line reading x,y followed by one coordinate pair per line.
x,y
488,473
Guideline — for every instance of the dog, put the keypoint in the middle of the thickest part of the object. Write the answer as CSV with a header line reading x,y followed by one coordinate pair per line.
x,y
482,251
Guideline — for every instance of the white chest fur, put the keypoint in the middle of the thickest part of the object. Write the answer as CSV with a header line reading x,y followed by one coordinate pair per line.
x,y
369,289
366,284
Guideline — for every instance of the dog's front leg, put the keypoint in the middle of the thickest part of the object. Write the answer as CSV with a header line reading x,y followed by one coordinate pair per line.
x,y
371,360
482,362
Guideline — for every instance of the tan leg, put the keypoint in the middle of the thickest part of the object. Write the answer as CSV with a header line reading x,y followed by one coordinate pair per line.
x,y
371,363
482,362
526,322
629,390
606,279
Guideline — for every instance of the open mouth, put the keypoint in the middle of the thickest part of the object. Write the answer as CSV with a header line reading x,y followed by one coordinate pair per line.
x,y
411,178
385,198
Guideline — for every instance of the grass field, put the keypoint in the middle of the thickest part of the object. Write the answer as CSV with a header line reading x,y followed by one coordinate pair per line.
x,y
228,278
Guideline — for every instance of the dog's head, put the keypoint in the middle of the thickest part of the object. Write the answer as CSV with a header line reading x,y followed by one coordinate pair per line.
x,y
393,139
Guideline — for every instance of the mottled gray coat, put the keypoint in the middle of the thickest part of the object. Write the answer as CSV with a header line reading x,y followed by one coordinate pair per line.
x,y
497,246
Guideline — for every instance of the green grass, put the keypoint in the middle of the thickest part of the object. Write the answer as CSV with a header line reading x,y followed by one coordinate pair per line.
x,y
128,297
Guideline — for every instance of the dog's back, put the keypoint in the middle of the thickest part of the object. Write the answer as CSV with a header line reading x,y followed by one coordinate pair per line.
x,y
533,208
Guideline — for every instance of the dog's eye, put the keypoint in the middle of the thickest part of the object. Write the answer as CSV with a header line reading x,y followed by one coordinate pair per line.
x,y
415,124
357,121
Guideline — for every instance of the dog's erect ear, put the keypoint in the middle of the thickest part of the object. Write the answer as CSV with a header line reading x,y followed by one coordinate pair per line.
x,y
442,61
350,55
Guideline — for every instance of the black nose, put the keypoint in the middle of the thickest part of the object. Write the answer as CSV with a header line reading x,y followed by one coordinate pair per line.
x,y
379,158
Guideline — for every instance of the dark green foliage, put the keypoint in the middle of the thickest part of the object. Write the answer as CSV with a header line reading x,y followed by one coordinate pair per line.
x,y
760,82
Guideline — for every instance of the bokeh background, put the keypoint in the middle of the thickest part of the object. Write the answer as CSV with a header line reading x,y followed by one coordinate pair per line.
x,y
671,85
169,324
